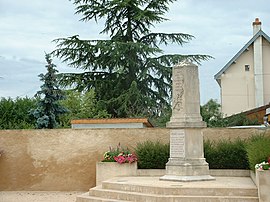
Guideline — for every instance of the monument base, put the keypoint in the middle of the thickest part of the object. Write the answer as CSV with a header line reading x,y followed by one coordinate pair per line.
x,y
178,178
187,167
186,162
185,170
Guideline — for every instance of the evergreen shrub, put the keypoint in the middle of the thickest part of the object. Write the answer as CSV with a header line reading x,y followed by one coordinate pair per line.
x,y
258,150
152,155
226,154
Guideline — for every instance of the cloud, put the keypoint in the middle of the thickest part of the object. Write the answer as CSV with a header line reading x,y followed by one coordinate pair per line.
x,y
221,29
19,77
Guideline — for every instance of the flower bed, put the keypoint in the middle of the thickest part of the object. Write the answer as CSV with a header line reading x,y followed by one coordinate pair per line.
x,y
263,180
117,162
119,155
263,184
263,166
108,170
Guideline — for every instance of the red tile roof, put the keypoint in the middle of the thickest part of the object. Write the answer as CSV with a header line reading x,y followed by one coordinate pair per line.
x,y
145,121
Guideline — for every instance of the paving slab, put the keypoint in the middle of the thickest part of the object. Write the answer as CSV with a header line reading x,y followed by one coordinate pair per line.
x,y
38,196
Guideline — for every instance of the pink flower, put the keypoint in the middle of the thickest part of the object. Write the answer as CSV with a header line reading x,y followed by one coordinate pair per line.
x,y
120,159
131,158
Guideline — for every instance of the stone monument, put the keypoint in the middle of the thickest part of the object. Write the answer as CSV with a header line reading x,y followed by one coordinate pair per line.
x,y
186,162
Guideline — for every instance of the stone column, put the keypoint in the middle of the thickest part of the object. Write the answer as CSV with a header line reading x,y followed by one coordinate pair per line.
x,y
186,162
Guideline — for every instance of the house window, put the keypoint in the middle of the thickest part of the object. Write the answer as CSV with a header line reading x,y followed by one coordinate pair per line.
x,y
247,67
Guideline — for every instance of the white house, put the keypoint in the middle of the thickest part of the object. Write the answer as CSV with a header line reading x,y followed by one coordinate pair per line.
x,y
245,80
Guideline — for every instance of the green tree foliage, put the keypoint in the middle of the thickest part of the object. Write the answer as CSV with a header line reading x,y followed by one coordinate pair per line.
x,y
48,107
14,114
127,71
163,118
239,120
212,115
81,105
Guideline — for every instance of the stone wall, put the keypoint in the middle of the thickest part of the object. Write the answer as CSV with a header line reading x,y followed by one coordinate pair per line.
x,y
232,133
61,159
65,159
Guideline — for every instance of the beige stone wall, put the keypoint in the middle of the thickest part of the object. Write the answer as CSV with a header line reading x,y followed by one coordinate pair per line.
x,y
65,160
61,159
217,134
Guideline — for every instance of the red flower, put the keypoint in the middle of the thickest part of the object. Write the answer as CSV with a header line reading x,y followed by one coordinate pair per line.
x,y
131,158
120,159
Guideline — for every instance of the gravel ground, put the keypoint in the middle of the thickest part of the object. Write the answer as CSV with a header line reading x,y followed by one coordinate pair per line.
x,y
38,196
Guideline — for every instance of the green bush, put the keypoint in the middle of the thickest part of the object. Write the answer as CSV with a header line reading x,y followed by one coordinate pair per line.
x,y
14,113
258,150
152,155
226,154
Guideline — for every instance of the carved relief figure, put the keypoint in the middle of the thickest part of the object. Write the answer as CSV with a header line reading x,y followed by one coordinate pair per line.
x,y
179,91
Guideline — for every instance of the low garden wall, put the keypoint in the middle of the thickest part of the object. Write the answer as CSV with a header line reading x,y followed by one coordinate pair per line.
x,y
65,159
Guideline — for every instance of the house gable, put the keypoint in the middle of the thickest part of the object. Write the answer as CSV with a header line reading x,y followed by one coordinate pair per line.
x,y
234,59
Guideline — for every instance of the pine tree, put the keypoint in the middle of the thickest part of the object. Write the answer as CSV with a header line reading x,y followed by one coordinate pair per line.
x,y
128,72
48,107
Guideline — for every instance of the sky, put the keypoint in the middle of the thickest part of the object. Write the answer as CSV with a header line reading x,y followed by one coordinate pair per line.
x,y
28,27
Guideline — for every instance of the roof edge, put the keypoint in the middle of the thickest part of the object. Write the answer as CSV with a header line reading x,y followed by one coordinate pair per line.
x,y
258,34
113,121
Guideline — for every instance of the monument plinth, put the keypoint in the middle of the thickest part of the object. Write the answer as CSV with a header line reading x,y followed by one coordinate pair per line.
x,y
186,162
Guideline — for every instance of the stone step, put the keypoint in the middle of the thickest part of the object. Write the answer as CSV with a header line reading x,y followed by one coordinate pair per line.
x,y
151,189
222,186
87,198
144,197
180,190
